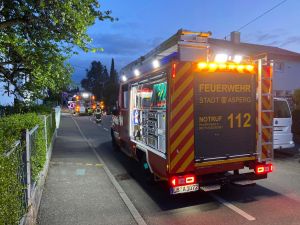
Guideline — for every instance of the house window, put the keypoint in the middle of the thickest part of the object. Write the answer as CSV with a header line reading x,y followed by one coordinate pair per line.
x,y
279,66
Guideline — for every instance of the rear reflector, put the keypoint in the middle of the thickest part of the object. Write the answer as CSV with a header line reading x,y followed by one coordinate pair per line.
x,y
263,169
190,179
182,180
173,70
174,181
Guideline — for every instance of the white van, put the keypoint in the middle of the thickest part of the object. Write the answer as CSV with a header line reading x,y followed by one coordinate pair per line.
x,y
282,122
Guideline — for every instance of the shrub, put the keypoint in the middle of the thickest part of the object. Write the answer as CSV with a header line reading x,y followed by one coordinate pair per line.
x,y
11,128
12,208
22,109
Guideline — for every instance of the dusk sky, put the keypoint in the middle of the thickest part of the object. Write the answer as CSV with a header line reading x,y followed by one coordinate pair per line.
x,y
144,24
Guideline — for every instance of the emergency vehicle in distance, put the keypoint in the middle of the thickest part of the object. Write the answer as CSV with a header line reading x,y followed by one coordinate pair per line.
x,y
195,119
84,103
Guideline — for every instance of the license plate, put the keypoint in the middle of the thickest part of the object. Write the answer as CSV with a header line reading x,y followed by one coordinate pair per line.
x,y
185,188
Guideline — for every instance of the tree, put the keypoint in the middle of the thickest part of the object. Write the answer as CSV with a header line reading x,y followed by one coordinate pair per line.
x,y
36,37
112,86
96,78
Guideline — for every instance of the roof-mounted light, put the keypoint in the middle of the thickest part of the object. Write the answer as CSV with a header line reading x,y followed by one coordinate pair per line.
x,y
124,78
237,58
136,72
221,58
155,63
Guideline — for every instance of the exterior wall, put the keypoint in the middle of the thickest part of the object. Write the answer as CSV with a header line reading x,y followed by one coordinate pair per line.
x,y
4,98
286,77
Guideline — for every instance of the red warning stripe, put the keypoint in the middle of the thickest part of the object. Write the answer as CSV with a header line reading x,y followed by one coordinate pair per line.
x,y
183,159
181,96
181,131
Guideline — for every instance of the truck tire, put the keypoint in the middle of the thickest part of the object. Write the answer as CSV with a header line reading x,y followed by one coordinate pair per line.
x,y
114,143
149,177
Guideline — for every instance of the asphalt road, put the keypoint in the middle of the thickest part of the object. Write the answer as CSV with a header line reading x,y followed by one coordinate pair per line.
x,y
275,200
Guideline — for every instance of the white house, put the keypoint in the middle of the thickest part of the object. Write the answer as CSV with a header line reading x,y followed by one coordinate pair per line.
x,y
286,77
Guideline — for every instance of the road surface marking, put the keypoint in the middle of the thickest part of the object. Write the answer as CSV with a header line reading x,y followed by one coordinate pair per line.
x,y
105,128
233,207
134,212
77,164
80,172
99,165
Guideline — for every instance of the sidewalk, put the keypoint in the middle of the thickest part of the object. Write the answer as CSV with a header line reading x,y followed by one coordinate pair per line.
x,y
77,189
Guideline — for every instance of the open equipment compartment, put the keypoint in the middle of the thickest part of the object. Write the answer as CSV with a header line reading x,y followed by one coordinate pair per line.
x,y
148,112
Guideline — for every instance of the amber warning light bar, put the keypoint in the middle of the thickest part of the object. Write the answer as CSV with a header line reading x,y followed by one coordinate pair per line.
x,y
214,66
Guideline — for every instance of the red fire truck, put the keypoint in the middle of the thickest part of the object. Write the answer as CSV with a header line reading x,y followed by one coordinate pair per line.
x,y
84,103
195,119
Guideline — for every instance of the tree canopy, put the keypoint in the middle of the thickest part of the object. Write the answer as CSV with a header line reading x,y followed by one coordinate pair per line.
x,y
111,88
37,36
103,86
96,77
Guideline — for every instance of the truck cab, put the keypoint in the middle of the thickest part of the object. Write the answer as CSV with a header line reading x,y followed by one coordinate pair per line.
x,y
282,122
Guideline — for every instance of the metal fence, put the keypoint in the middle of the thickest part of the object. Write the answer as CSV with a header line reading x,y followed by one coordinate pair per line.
x,y
31,151
24,151
18,155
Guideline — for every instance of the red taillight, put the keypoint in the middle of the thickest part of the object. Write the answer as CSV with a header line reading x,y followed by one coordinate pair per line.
x,y
182,180
263,169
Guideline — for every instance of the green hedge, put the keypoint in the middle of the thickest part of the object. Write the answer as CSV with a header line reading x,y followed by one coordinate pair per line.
x,y
11,206
22,109
11,128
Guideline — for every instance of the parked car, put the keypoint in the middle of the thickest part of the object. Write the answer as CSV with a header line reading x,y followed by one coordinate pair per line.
x,y
282,122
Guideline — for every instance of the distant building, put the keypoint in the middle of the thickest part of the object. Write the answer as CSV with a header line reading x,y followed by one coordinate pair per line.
x,y
286,77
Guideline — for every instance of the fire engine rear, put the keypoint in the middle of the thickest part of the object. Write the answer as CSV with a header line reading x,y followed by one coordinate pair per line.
x,y
195,119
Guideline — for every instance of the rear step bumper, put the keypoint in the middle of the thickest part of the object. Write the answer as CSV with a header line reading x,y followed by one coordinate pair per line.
x,y
215,182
